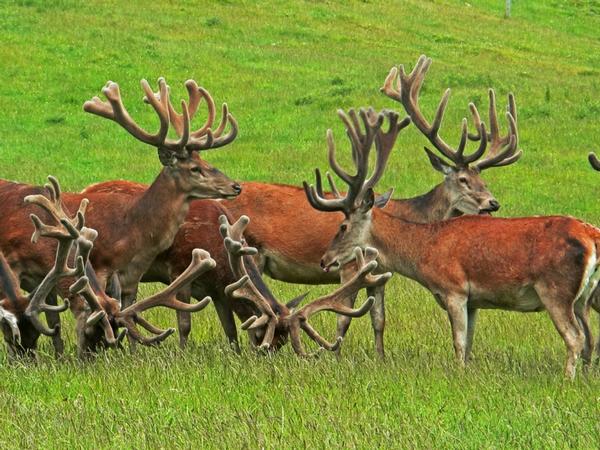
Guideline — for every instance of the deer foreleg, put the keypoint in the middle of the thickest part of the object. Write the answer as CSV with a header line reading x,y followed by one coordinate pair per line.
x,y
456,306
471,320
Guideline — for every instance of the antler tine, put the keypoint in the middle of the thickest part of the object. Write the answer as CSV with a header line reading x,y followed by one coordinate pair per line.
x,y
244,288
366,264
114,109
384,144
11,320
504,149
594,161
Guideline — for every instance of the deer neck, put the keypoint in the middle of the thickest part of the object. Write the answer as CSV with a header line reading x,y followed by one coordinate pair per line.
x,y
160,212
430,207
401,243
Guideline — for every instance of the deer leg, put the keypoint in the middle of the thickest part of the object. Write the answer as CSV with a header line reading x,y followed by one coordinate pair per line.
x,y
595,303
227,322
563,316
582,313
53,319
378,317
184,319
456,306
471,320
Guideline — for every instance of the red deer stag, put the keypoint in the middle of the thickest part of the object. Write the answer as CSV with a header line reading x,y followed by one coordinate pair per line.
x,y
276,320
199,230
295,258
474,262
133,229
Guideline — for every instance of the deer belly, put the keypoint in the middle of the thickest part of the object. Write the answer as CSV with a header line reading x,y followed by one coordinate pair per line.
x,y
522,298
278,267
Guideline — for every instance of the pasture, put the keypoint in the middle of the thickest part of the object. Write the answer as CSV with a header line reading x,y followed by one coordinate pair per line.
x,y
284,68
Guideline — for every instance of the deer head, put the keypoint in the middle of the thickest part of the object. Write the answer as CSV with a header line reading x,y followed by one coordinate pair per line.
x,y
462,173
357,203
277,321
180,157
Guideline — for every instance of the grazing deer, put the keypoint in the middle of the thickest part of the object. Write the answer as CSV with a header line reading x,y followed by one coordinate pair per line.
x,y
295,257
276,320
133,229
473,262
98,316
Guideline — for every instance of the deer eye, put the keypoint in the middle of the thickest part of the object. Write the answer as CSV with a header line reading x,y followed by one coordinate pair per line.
x,y
464,181
343,227
197,170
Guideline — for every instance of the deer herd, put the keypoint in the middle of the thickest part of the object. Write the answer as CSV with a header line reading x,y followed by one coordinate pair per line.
x,y
206,236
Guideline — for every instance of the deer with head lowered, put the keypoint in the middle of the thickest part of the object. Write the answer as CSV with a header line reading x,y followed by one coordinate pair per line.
x,y
474,262
133,229
98,316
295,257
276,321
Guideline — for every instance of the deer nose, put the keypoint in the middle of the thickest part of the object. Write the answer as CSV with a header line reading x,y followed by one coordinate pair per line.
x,y
322,264
237,188
494,205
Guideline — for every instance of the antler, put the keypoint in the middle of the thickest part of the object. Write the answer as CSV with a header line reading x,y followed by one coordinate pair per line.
x,y
244,288
594,161
66,236
201,139
362,143
406,88
334,302
503,149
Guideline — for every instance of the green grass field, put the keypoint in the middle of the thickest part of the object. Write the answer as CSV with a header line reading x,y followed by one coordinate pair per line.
x,y
284,68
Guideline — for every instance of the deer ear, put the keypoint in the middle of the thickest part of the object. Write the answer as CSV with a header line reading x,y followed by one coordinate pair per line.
x,y
293,303
368,200
166,157
438,163
382,200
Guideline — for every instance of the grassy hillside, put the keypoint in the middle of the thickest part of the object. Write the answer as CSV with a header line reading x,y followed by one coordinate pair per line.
x,y
284,68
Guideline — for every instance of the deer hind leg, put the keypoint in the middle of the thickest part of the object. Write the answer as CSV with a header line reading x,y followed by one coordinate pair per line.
x,y
595,304
471,321
53,319
582,313
456,306
563,316
227,322
184,319
378,317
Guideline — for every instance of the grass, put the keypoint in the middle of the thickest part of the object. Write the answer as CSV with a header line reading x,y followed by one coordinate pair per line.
x,y
284,68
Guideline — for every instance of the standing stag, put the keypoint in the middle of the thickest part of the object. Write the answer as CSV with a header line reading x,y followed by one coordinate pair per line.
x,y
133,229
293,256
474,262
